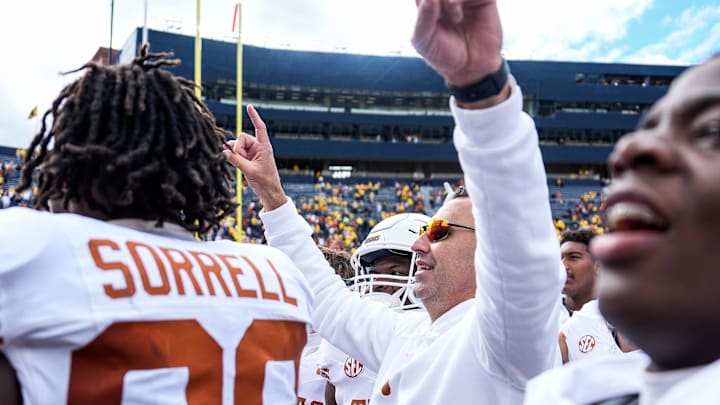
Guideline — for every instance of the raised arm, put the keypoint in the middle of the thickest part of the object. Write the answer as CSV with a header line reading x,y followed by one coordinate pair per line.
x,y
360,328
517,258
462,40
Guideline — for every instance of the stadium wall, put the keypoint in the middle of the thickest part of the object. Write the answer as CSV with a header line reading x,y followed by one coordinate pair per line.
x,y
580,109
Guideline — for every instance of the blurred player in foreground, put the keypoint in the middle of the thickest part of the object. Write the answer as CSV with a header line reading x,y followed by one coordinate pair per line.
x,y
659,278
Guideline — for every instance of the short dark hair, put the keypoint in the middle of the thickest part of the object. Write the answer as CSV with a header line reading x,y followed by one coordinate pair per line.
x,y
582,235
133,141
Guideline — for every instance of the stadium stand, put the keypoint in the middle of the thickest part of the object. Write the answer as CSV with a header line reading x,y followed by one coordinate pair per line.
x,y
10,166
389,114
370,137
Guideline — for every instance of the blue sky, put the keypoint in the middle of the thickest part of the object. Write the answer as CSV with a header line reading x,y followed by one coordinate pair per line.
x,y
694,25
44,37
679,31
630,31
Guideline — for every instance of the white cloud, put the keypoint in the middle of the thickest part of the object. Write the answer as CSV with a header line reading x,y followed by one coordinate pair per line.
x,y
612,54
707,48
703,24
566,29
694,36
38,43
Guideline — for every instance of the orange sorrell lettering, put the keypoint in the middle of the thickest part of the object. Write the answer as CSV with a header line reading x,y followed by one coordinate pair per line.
x,y
94,245
286,297
265,293
213,267
234,273
177,267
164,288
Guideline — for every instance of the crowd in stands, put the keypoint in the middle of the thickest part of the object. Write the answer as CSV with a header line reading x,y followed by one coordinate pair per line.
x,y
584,214
343,213
10,168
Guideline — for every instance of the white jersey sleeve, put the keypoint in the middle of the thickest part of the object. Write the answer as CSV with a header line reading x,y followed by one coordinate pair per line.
x,y
94,312
517,257
361,328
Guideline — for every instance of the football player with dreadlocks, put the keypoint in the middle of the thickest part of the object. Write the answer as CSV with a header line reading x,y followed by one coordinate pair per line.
x,y
116,301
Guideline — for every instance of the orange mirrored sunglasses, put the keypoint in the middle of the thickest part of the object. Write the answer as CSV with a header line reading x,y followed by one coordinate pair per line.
x,y
439,229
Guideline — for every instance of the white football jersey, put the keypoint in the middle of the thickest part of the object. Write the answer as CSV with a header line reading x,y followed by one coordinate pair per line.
x,y
587,334
352,380
311,388
92,312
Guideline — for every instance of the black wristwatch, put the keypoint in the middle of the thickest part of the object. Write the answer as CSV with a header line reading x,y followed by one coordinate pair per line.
x,y
488,86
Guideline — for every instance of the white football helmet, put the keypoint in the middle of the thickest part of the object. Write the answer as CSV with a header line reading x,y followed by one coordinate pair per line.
x,y
392,236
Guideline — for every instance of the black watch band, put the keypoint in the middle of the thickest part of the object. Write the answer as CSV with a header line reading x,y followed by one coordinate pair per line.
x,y
488,86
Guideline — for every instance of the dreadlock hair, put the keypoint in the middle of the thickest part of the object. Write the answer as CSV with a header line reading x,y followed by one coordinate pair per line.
x,y
133,141
339,260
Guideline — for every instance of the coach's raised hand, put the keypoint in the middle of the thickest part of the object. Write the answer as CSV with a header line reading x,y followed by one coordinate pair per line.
x,y
460,39
253,155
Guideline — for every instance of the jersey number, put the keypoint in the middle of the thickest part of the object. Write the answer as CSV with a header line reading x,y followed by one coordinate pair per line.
x,y
98,369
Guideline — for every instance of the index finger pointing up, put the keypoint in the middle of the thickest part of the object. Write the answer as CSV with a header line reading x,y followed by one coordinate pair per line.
x,y
260,129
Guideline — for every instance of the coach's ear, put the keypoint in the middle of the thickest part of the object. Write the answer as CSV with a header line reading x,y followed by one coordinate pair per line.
x,y
9,385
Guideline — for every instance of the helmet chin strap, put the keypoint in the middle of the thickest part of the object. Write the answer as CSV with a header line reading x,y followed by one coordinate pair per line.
x,y
404,297
408,292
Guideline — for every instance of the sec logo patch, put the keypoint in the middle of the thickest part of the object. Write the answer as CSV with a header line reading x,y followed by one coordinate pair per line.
x,y
352,367
586,343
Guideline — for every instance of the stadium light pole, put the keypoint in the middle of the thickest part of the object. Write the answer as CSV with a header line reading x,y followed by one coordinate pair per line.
x,y
145,27
198,62
238,113
112,19
198,53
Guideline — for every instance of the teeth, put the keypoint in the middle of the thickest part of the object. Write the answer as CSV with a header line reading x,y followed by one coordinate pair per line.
x,y
631,215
